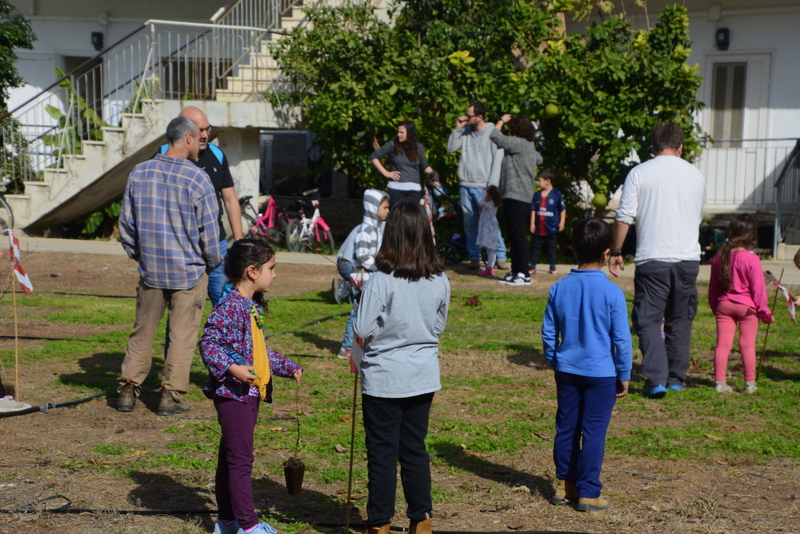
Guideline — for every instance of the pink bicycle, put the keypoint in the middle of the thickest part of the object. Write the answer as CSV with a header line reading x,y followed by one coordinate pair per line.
x,y
270,226
309,235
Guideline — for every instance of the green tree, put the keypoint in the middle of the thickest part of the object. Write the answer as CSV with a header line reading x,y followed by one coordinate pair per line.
x,y
15,32
597,96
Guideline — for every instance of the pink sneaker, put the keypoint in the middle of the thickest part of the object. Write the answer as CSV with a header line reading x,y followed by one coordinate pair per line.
x,y
489,271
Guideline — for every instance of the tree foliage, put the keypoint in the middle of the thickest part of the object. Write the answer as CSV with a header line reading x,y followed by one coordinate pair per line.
x,y
596,96
15,32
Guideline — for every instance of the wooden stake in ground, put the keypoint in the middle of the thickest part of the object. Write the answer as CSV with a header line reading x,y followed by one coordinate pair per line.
x,y
16,391
766,336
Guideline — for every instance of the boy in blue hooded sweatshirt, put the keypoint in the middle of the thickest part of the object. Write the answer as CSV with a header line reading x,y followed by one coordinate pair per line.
x,y
356,258
587,341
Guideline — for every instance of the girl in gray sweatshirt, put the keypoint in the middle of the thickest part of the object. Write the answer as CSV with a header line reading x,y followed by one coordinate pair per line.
x,y
402,313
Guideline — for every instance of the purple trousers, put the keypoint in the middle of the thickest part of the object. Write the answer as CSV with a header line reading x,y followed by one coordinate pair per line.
x,y
234,488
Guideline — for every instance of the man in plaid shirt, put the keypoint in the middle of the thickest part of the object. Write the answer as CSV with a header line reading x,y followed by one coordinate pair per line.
x,y
168,224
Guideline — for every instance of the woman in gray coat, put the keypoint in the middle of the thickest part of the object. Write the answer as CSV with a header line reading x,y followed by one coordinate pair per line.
x,y
517,176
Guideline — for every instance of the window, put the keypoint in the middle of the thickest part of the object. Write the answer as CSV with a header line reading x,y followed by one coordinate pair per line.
x,y
728,102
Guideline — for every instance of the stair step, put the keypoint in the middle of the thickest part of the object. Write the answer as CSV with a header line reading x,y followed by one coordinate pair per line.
x,y
113,129
17,197
94,143
35,184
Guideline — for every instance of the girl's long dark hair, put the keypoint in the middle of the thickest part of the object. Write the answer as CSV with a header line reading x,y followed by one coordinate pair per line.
x,y
409,146
243,254
407,250
742,231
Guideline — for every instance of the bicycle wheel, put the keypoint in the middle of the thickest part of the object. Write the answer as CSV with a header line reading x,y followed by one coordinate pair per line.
x,y
6,215
293,234
448,254
326,243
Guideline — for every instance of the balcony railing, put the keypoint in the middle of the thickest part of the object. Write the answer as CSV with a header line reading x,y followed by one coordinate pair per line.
x,y
743,177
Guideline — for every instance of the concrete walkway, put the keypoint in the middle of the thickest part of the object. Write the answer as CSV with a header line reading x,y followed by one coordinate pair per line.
x,y
791,275
114,248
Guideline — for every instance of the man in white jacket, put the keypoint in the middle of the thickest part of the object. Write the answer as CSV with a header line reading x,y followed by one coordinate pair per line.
x,y
479,167
665,197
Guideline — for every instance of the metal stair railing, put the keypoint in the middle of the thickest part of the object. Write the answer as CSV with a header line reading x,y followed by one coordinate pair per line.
x,y
787,196
172,61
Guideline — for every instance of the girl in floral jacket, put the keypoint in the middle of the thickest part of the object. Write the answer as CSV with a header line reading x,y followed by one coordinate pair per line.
x,y
241,368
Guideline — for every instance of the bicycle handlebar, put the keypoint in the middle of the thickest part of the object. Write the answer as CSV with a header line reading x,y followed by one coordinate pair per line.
x,y
310,192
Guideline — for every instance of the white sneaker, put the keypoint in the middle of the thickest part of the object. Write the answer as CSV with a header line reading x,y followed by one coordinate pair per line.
x,y
723,387
8,404
750,387
519,279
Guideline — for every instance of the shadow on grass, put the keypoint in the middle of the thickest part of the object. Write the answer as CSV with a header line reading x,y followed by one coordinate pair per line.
x,y
527,357
163,493
328,345
456,457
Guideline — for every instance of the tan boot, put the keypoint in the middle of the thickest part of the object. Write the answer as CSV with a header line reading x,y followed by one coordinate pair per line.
x,y
127,397
588,505
420,527
169,406
565,490
378,530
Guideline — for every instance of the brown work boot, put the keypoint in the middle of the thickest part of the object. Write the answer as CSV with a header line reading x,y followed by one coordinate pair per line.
x,y
420,527
169,406
589,505
127,397
565,490
474,264
378,530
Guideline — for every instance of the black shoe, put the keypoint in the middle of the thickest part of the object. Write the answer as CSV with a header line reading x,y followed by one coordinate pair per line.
x,y
127,397
169,406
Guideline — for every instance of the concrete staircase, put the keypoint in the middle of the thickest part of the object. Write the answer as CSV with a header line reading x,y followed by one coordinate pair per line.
x,y
253,80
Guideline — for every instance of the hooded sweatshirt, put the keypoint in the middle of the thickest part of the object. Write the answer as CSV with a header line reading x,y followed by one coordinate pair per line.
x,y
370,234
480,158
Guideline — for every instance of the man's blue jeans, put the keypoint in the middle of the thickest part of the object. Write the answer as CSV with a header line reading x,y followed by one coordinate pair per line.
x,y
217,278
470,207
345,268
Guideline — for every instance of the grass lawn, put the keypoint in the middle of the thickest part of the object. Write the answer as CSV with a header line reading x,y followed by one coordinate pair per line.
x,y
490,435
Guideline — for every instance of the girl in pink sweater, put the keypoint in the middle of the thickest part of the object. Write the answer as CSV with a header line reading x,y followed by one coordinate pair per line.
x,y
737,296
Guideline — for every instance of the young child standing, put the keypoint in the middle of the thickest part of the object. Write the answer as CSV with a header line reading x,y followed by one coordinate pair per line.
x,y
489,228
737,295
549,217
357,256
587,341
234,351
402,313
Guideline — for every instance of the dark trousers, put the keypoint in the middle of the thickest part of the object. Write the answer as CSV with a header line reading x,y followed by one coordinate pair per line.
x,y
550,243
396,195
665,291
396,430
516,215
584,411
234,488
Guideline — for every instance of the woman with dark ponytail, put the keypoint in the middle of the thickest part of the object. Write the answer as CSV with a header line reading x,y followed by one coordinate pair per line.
x,y
738,297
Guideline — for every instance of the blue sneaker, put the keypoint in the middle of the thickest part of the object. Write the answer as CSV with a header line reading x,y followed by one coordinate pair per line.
x,y
222,528
675,387
657,392
261,528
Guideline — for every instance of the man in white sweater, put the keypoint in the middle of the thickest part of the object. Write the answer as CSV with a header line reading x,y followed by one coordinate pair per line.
x,y
665,197
479,167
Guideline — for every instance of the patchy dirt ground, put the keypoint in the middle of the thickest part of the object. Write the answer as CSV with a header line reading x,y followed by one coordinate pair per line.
x,y
495,493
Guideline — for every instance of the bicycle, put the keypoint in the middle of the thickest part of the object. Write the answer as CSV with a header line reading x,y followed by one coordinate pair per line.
x,y
270,226
309,234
